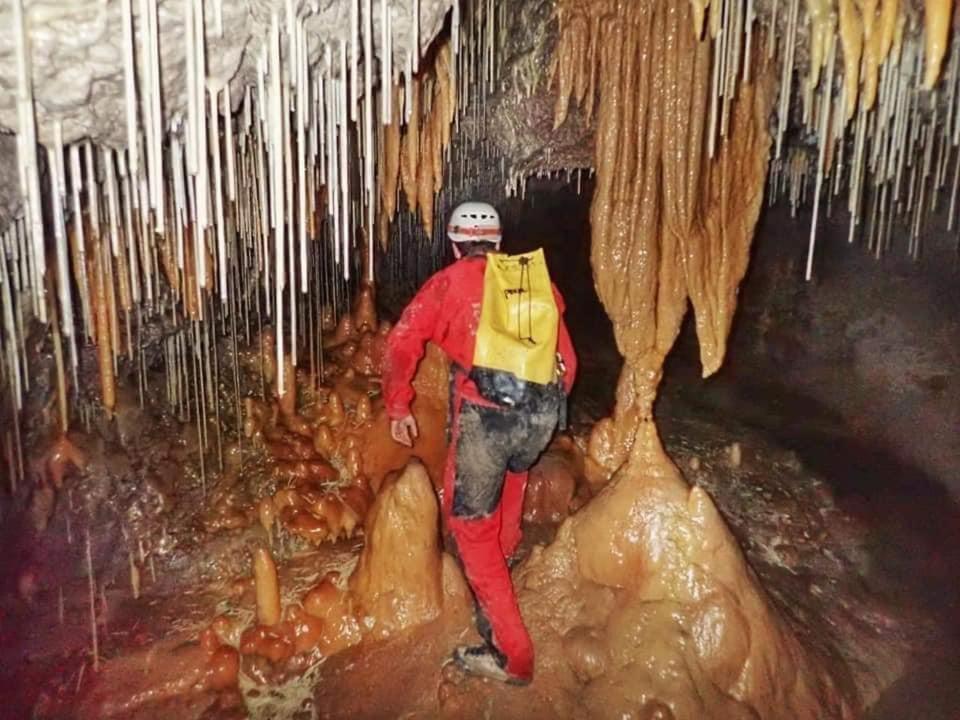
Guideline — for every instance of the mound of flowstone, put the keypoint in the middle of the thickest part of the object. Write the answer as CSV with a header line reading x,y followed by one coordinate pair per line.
x,y
644,607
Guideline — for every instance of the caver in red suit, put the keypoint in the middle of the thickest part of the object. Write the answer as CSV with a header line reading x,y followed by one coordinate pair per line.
x,y
492,446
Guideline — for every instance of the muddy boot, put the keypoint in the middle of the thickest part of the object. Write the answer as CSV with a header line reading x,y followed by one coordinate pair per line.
x,y
484,661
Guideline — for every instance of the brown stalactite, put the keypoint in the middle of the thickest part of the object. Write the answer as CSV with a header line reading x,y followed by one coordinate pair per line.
x,y
415,153
665,226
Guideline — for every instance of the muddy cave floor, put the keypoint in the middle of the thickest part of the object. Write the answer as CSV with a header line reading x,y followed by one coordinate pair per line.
x,y
871,575
860,550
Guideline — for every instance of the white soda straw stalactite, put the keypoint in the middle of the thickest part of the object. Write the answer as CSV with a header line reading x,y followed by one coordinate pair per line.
x,y
415,40
78,240
130,87
218,195
786,79
27,154
191,78
302,118
277,184
228,136
157,180
354,59
58,191
344,175
369,146
386,61
825,106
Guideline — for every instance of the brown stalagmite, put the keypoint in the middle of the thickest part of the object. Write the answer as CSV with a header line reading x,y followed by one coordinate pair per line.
x,y
398,581
267,587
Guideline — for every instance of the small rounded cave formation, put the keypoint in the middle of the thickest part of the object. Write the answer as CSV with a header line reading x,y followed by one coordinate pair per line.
x,y
218,224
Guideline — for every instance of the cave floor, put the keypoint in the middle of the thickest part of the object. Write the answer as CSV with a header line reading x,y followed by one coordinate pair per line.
x,y
845,572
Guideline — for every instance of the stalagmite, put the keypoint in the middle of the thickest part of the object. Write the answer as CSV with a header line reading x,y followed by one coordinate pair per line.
x,y
267,586
398,581
267,513
824,124
134,576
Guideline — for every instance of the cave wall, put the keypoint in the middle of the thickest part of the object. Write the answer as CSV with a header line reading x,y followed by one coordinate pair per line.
x,y
873,342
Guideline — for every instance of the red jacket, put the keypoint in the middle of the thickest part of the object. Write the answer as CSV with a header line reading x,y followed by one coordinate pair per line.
x,y
447,311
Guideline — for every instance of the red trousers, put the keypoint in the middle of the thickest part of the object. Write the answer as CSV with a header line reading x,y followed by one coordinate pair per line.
x,y
484,482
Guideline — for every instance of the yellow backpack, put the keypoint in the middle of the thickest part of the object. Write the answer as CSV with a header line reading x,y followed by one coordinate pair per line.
x,y
519,318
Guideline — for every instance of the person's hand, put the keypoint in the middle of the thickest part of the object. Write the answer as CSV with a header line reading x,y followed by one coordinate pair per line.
x,y
404,430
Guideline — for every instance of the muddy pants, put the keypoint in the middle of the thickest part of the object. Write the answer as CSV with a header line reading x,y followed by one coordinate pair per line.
x,y
485,479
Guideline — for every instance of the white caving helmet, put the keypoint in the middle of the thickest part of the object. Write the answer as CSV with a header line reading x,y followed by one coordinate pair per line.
x,y
474,222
